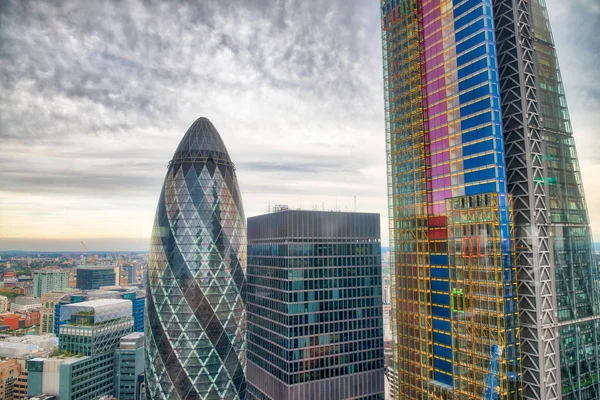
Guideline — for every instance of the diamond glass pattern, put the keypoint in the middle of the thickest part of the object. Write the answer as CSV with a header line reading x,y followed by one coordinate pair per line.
x,y
196,318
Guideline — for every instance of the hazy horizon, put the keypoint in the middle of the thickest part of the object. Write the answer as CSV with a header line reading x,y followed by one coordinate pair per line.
x,y
96,96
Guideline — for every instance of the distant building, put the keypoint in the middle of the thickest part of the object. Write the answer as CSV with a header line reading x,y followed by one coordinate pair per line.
x,y
20,385
129,366
134,294
49,280
91,277
315,327
25,303
92,332
10,370
131,274
47,311
4,304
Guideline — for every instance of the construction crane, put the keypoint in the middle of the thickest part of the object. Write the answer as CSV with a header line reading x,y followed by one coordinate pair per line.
x,y
492,380
92,258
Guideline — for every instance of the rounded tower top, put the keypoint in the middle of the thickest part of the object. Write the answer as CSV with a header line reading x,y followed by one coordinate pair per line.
x,y
201,141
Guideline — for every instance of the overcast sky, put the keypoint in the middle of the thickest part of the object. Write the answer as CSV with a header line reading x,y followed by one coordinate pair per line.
x,y
96,95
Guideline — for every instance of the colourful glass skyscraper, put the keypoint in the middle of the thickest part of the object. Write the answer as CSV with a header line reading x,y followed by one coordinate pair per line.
x,y
196,317
477,131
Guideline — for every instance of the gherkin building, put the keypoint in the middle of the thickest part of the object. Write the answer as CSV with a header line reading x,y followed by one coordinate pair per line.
x,y
196,317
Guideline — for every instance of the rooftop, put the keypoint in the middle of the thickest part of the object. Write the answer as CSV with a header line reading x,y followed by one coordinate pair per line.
x,y
101,309
202,140
96,267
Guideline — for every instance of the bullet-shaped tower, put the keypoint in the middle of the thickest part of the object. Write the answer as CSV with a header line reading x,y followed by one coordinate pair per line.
x,y
196,317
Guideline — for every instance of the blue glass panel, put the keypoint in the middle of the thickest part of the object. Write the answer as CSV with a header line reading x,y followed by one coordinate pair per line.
x,y
470,17
475,107
472,42
473,81
442,364
441,286
440,312
469,30
444,378
442,351
441,325
471,55
474,94
478,148
438,260
480,133
442,338
482,175
439,272
458,11
440,298
476,120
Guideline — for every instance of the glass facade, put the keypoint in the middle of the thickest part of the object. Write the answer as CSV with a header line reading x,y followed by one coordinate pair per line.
x,y
92,277
129,366
315,326
92,331
576,273
453,266
133,294
196,319
476,114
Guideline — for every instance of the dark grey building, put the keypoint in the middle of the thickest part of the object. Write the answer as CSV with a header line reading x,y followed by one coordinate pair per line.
x,y
92,277
314,303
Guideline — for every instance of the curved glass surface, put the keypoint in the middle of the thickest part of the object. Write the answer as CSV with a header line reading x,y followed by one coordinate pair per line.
x,y
196,318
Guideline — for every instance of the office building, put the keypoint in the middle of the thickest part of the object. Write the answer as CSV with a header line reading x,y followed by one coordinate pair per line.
x,y
475,110
450,212
131,293
131,274
10,370
50,280
129,366
314,303
47,311
196,318
92,277
87,342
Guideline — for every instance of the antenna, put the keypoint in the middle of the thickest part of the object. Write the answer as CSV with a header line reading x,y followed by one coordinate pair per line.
x,y
354,203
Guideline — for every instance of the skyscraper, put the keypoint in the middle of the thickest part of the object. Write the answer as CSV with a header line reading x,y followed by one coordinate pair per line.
x,y
196,318
478,131
315,326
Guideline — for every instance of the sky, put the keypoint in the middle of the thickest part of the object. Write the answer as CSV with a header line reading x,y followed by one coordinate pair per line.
x,y
95,97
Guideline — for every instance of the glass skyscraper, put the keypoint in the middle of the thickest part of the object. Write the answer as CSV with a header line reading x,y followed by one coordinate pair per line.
x,y
196,319
481,156
315,325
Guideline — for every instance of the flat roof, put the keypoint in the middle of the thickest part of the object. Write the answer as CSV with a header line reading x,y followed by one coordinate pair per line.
x,y
95,267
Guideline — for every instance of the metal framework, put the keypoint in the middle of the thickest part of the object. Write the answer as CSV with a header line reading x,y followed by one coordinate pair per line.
x,y
483,296
526,178
407,200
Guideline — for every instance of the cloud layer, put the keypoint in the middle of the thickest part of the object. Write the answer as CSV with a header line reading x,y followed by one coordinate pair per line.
x,y
95,96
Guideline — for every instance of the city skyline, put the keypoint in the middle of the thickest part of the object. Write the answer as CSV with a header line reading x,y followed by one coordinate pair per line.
x,y
90,115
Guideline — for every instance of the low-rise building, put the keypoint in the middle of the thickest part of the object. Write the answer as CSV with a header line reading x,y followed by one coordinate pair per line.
x,y
10,370
4,304
25,303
